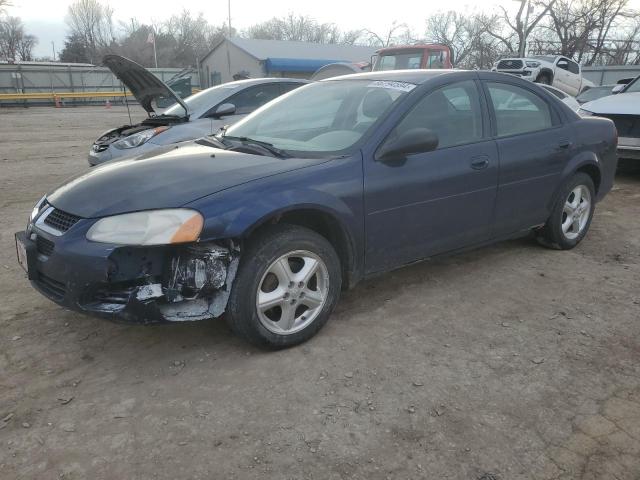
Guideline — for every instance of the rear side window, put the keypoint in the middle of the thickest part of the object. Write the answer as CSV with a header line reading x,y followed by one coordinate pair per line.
x,y
287,87
518,110
452,112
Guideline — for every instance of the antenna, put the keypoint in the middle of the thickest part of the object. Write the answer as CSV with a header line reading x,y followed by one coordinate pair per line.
x,y
127,104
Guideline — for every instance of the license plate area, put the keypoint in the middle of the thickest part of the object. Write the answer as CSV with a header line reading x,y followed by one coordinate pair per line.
x,y
25,251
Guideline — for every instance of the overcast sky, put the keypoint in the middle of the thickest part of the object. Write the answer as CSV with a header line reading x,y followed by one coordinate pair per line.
x,y
46,18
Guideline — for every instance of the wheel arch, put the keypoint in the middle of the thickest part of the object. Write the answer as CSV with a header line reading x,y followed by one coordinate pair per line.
x,y
545,71
322,221
586,162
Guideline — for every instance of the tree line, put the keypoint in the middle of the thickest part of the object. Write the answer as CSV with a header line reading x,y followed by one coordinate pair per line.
x,y
593,32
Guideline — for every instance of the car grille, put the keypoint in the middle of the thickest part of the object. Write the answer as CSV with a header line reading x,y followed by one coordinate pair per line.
x,y
61,221
509,64
51,287
44,246
628,126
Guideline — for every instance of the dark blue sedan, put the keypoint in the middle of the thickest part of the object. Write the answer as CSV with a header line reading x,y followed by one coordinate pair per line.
x,y
331,183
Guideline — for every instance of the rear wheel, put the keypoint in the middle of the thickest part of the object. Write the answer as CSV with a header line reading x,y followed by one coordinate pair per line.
x,y
571,215
286,288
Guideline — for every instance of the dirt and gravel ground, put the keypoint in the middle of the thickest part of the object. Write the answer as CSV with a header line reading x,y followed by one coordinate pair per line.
x,y
510,362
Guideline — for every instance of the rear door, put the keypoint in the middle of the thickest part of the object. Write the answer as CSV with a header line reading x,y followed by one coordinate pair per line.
x,y
435,201
534,145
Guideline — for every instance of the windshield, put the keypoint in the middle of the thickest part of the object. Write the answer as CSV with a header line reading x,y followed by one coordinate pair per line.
x,y
594,93
634,86
546,58
411,59
203,100
321,119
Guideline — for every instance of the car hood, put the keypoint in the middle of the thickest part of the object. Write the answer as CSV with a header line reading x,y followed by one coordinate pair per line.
x,y
171,177
620,104
144,85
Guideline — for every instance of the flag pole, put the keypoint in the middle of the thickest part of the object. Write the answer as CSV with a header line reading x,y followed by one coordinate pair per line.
x,y
155,54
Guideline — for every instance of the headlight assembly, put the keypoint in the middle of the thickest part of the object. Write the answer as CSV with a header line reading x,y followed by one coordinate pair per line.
x,y
152,227
139,138
36,210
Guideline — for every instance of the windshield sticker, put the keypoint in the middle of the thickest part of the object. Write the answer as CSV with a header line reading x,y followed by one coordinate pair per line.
x,y
402,86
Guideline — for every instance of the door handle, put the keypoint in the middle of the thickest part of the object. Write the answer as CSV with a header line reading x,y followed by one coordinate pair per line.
x,y
564,144
480,162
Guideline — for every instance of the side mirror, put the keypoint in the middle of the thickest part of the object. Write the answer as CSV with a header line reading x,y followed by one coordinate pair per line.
x,y
224,110
617,89
417,140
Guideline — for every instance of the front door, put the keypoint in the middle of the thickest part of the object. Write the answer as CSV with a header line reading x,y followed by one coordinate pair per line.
x,y
435,201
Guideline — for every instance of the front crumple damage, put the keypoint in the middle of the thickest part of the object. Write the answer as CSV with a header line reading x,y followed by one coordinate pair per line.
x,y
173,284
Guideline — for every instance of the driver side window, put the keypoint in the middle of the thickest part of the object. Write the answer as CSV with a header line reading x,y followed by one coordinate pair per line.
x,y
452,112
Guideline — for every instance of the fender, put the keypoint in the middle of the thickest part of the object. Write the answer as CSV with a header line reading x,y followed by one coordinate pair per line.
x,y
578,161
237,212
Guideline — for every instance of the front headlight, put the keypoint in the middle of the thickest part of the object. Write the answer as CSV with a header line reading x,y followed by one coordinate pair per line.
x,y
533,64
152,227
139,138
36,209
584,113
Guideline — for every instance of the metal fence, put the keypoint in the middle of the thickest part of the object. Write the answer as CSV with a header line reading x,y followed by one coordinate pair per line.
x,y
57,78
609,75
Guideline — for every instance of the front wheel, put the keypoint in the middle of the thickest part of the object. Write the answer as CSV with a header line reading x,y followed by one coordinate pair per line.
x,y
571,215
286,287
544,78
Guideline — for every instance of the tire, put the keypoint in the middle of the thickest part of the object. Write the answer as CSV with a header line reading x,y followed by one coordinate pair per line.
x,y
544,78
560,232
294,308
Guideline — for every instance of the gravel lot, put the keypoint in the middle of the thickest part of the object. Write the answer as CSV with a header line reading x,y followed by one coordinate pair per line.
x,y
509,362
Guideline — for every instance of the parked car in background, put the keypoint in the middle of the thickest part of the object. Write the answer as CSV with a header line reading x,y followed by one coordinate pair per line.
x,y
555,70
624,109
594,93
338,180
568,100
195,116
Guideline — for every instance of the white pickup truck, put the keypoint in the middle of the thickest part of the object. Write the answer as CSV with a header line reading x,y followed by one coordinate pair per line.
x,y
555,70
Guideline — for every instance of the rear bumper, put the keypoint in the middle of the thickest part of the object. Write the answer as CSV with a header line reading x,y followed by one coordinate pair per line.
x,y
629,148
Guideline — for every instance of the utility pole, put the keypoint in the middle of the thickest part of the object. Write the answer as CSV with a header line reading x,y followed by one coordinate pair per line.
x,y
53,48
229,12
523,43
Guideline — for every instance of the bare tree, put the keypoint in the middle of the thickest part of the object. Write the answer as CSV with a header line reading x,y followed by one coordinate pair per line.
x,y
396,34
92,21
15,44
302,29
523,23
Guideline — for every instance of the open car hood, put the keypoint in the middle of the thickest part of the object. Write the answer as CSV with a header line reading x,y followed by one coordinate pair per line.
x,y
144,85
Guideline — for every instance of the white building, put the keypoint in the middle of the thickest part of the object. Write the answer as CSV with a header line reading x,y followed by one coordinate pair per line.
x,y
243,57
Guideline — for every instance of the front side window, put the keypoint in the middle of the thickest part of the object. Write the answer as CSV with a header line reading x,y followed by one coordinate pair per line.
x,y
453,113
323,118
518,110
574,67
252,98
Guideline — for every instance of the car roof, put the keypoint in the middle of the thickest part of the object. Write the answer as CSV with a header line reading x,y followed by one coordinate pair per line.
x,y
416,76
258,81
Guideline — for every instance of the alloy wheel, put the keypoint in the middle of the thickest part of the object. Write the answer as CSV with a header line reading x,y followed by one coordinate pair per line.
x,y
292,292
576,212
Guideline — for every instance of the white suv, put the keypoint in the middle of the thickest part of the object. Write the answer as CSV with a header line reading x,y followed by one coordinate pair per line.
x,y
555,70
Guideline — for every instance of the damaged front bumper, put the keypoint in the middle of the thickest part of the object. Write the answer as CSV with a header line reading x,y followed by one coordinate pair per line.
x,y
128,284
